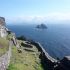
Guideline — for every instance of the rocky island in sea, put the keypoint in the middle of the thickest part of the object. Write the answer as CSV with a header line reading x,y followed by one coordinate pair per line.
x,y
41,26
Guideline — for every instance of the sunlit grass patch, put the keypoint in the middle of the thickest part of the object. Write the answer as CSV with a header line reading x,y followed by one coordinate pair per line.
x,y
24,61
4,45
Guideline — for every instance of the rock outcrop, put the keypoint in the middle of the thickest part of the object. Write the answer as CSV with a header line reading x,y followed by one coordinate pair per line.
x,y
64,64
2,21
41,26
3,29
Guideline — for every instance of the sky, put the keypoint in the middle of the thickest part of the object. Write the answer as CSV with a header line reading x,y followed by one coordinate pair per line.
x,y
35,10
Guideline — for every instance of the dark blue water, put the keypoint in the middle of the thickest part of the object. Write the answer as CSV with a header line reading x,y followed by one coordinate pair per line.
x,y
55,39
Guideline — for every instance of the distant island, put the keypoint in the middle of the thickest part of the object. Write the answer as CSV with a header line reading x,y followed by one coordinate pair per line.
x,y
41,26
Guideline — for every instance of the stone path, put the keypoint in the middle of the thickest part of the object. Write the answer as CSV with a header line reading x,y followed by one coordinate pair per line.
x,y
5,59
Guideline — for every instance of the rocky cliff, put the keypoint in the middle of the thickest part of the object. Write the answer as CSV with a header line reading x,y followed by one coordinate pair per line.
x,y
3,29
2,21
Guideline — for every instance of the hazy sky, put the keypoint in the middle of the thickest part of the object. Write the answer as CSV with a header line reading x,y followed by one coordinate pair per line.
x,y
36,9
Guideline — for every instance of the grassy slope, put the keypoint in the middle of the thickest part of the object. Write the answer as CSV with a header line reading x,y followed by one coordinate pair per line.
x,y
4,44
25,61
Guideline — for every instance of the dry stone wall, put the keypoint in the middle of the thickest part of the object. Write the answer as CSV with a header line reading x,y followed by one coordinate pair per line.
x,y
5,59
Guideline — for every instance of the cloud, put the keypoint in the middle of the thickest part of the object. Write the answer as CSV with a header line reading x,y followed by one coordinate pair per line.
x,y
58,16
50,17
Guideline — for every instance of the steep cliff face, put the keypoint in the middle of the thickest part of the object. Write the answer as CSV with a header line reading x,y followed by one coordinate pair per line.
x,y
3,29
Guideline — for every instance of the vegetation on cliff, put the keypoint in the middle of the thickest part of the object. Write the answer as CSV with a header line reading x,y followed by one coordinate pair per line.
x,y
25,60
4,45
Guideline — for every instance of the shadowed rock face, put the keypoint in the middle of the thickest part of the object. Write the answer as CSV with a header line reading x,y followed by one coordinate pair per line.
x,y
64,64
2,21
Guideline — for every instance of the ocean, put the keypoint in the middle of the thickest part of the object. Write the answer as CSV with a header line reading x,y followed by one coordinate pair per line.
x,y
55,39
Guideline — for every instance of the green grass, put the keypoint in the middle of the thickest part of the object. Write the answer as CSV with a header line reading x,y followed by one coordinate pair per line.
x,y
4,45
9,36
25,60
